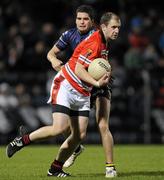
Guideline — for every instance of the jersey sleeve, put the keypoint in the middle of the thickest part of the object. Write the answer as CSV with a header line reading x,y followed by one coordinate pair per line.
x,y
88,53
62,42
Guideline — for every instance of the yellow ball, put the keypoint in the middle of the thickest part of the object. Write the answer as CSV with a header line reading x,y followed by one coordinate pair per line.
x,y
98,67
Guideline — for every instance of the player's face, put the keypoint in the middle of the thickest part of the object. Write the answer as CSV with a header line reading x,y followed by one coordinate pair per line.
x,y
112,29
83,22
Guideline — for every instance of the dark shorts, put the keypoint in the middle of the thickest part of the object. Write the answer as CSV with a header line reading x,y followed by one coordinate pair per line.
x,y
102,92
66,110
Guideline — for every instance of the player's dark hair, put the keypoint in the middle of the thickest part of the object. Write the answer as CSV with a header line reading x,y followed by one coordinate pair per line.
x,y
87,9
106,17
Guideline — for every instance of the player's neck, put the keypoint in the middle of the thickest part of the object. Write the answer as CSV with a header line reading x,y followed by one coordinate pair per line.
x,y
103,38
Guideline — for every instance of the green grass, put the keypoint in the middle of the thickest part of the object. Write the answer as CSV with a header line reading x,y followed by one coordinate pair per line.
x,y
132,162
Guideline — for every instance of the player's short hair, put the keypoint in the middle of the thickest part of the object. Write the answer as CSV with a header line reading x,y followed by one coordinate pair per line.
x,y
106,17
87,9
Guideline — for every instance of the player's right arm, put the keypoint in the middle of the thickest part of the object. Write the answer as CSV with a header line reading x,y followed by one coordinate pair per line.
x,y
52,57
60,45
82,73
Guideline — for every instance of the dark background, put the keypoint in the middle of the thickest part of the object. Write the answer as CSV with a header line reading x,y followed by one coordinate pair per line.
x,y
29,28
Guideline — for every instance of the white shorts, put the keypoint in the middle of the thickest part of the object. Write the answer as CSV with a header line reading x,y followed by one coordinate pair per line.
x,y
64,94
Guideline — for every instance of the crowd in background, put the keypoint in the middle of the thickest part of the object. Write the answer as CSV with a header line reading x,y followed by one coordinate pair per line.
x,y
29,30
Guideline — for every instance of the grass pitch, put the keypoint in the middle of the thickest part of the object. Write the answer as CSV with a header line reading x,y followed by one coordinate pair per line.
x,y
132,162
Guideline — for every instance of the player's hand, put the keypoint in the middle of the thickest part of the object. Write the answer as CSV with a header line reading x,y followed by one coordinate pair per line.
x,y
57,64
104,80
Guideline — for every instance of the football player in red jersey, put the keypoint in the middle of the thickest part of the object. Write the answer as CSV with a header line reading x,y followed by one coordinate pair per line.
x,y
73,84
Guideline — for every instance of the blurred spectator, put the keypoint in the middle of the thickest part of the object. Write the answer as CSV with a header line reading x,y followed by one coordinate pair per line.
x,y
161,43
26,110
8,103
133,59
7,99
48,34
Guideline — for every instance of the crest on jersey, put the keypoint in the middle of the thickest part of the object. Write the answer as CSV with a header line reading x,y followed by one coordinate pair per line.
x,y
88,53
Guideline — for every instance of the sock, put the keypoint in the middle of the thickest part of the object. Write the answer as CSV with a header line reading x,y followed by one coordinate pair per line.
x,y
110,165
26,140
57,165
77,149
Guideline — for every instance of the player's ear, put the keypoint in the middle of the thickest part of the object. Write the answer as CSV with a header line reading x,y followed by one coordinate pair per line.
x,y
103,27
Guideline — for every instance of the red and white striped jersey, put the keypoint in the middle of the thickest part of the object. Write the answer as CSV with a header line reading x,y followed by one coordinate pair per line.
x,y
89,49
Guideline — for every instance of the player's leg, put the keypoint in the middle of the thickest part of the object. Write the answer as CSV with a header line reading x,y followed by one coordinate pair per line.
x,y
60,100
102,118
70,161
60,124
79,126
78,150
78,132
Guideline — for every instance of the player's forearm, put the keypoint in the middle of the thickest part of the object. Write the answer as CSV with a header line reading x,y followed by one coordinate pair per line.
x,y
81,72
51,56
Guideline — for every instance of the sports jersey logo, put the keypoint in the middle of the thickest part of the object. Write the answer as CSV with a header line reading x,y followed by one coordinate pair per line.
x,y
89,52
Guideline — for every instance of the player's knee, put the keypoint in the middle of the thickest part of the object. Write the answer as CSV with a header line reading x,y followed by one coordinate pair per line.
x,y
82,135
103,127
51,132
79,137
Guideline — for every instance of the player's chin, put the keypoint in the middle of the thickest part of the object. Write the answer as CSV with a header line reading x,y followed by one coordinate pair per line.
x,y
114,37
83,30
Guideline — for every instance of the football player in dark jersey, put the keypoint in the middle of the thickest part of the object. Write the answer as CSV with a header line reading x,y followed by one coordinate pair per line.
x,y
68,41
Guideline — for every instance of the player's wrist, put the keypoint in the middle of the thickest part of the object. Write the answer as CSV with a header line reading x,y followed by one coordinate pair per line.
x,y
97,84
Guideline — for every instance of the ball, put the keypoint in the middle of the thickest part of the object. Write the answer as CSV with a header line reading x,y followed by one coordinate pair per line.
x,y
98,67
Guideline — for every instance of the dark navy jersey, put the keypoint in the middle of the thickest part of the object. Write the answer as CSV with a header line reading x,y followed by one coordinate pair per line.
x,y
71,38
